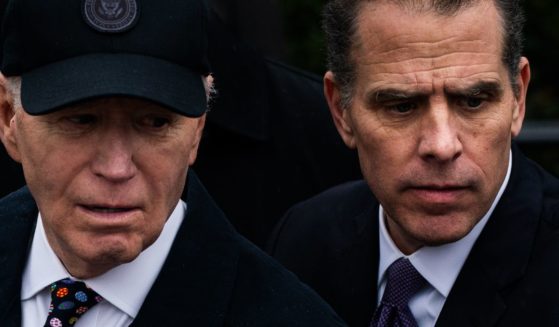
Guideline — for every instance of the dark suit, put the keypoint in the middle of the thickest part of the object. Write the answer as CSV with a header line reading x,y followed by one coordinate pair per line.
x,y
212,276
510,278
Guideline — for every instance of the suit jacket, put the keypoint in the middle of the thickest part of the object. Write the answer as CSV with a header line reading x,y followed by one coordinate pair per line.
x,y
510,278
211,277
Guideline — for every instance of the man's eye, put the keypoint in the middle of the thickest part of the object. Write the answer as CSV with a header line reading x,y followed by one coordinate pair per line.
x,y
82,119
156,122
471,102
403,107
159,122
474,102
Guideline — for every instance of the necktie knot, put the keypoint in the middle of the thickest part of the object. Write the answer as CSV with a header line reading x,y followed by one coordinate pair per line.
x,y
70,299
402,282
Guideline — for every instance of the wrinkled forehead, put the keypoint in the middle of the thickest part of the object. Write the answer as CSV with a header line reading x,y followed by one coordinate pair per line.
x,y
425,51
390,25
442,7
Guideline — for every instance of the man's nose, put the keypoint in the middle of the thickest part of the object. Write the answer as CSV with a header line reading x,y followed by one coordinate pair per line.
x,y
440,136
114,159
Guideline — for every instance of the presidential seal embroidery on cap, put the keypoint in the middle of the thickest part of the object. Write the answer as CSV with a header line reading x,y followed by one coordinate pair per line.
x,y
110,16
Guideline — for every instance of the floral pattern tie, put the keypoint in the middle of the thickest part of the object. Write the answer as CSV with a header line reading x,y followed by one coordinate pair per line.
x,y
70,299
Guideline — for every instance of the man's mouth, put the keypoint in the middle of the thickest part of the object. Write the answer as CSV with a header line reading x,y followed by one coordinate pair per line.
x,y
442,188
439,193
107,210
109,217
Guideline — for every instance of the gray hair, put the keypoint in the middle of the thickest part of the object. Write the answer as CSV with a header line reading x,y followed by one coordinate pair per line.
x,y
339,24
13,88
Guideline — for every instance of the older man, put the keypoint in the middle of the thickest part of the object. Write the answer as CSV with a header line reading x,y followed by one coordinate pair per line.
x,y
450,227
106,106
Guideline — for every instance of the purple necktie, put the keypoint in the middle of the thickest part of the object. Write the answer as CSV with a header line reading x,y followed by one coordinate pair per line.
x,y
403,281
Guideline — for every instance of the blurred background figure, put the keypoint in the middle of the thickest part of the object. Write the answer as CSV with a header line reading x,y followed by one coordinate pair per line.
x,y
269,141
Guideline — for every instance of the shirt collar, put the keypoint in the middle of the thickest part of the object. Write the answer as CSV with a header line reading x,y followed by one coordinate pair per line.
x,y
116,286
439,265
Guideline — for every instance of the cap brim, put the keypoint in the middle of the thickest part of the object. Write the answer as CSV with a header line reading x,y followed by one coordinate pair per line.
x,y
62,83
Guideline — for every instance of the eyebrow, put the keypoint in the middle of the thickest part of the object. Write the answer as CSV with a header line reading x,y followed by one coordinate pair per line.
x,y
390,94
493,88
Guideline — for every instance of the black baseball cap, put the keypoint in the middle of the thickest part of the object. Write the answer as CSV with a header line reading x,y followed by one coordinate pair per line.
x,y
68,51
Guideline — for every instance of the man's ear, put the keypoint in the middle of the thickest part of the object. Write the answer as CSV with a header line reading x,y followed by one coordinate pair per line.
x,y
8,123
339,114
196,141
519,111
197,136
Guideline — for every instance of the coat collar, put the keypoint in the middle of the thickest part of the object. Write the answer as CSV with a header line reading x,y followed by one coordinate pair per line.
x,y
365,223
195,285
500,255
200,270
498,259
357,282
18,214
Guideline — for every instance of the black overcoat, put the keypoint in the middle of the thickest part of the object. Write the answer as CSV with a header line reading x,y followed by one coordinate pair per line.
x,y
211,277
510,278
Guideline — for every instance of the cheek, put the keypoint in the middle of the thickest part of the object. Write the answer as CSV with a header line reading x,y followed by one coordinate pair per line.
x,y
383,153
165,168
164,172
49,170
366,133
488,140
490,153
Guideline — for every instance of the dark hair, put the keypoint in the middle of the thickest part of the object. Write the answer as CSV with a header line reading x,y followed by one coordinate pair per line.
x,y
339,24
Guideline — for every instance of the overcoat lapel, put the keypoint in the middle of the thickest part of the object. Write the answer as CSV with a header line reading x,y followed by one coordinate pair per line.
x,y
195,284
365,252
500,255
18,215
355,269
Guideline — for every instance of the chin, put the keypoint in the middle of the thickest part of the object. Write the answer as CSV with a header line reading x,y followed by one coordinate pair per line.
x,y
115,253
437,237
441,241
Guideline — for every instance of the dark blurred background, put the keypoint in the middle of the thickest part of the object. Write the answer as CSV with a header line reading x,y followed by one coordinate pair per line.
x,y
289,30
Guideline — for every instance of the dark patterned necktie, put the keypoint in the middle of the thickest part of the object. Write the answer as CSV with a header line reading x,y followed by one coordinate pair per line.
x,y
403,281
69,301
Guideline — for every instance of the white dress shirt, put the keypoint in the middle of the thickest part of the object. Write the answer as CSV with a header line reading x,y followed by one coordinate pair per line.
x,y
124,288
439,265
